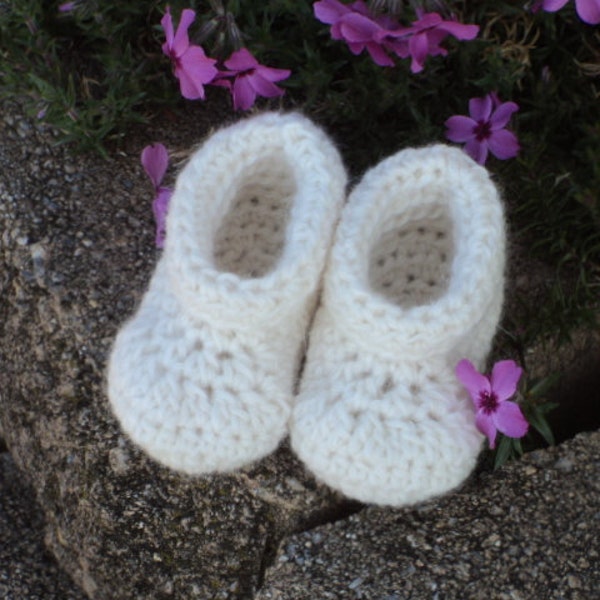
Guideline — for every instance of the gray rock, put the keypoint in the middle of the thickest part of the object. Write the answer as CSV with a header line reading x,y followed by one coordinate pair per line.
x,y
76,251
529,530
27,570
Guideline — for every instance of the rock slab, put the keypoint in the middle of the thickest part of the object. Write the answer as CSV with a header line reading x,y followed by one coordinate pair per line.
x,y
528,531
27,570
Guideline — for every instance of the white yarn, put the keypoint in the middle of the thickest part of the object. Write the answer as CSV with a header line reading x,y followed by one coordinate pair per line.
x,y
202,376
414,283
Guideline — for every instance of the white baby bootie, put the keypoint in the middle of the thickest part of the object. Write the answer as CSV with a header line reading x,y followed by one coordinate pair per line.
x,y
414,283
202,376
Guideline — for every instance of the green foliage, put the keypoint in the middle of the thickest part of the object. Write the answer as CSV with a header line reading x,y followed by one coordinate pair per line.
x,y
91,72
535,407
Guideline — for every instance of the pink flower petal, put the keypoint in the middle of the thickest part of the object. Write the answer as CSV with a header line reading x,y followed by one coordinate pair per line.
x,y
181,40
434,38
66,7
503,144
160,207
155,160
385,21
459,30
504,379
398,33
329,11
379,55
477,150
472,379
588,11
418,46
496,102
221,81
480,109
501,116
358,28
485,424
460,128
553,5
194,71
397,46
271,74
243,93
188,87
426,21
357,48
509,419
167,25
360,7
241,60
335,30
264,87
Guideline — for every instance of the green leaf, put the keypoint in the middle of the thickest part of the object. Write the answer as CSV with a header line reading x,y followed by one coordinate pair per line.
x,y
504,451
544,385
544,409
517,446
538,421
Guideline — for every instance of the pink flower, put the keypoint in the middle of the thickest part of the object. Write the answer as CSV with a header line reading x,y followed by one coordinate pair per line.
x,y
588,10
250,79
548,5
491,397
484,130
192,67
155,161
355,25
424,36
66,6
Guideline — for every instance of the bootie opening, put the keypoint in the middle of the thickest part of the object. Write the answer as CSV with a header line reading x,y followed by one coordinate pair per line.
x,y
251,237
411,260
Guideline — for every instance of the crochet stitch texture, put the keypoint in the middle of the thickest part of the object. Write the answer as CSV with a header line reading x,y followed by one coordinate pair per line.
x,y
414,283
202,376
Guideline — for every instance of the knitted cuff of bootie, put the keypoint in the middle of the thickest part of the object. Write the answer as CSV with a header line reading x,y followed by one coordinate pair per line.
x,y
202,376
414,284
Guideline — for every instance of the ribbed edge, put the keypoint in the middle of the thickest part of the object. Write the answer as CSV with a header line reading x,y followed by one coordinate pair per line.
x,y
199,203
399,184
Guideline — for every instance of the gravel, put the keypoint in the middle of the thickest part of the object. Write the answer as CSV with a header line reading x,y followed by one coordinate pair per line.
x,y
530,531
